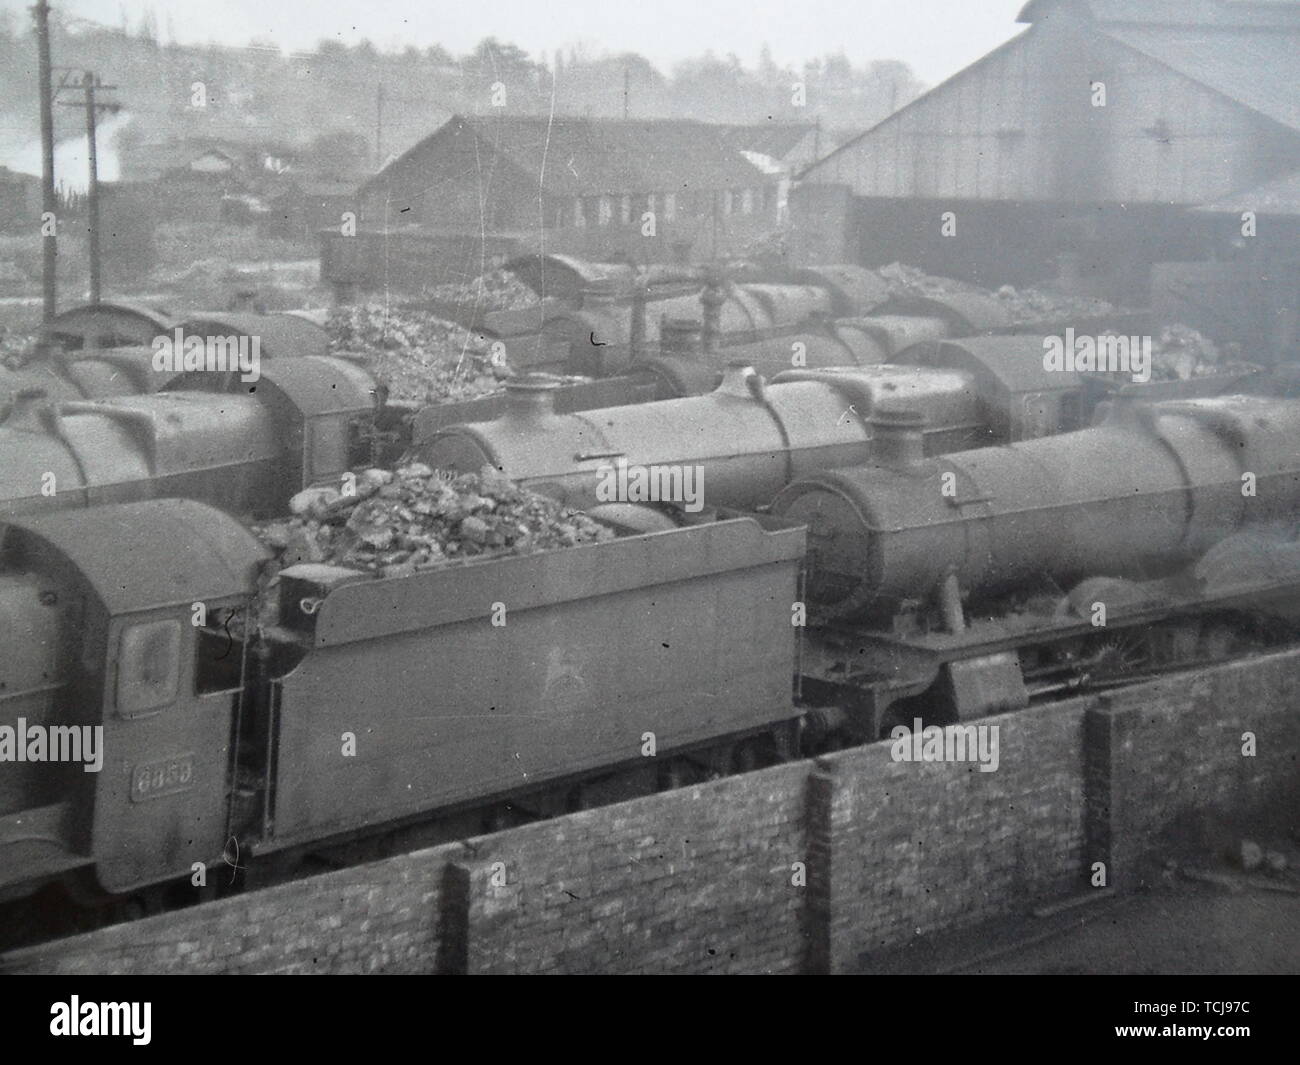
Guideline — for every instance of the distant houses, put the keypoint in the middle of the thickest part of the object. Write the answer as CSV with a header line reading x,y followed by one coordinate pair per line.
x,y
20,201
191,176
482,188
287,191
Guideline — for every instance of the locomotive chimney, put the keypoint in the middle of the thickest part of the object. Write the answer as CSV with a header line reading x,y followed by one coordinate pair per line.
x,y
739,379
29,412
897,437
530,397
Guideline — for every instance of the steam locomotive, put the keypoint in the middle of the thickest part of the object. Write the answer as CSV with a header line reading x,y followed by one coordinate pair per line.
x,y
102,350
661,333
210,437
865,541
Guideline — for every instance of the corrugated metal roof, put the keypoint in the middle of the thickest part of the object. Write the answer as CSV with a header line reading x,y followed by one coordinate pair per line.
x,y
1279,196
1259,69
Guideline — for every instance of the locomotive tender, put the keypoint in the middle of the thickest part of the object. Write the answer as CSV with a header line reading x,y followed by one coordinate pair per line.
x,y
216,746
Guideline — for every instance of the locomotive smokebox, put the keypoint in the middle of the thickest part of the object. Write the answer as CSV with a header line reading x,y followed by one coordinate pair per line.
x,y
1136,497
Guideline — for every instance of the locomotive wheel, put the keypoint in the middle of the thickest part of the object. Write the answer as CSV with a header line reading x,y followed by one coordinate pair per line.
x,y
1126,653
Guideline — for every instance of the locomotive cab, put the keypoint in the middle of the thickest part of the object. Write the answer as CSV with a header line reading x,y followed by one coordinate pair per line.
x,y
128,652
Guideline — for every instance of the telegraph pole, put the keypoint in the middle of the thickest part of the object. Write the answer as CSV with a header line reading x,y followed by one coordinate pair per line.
x,y
713,197
89,84
49,205
92,205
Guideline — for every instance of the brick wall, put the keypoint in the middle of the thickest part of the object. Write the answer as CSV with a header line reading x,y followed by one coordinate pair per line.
x,y
919,846
1174,748
709,868
385,917
801,867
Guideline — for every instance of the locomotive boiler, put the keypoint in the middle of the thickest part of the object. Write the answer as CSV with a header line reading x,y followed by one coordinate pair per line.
x,y
206,436
99,351
123,371
753,437
1151,488
750,438
246,452
971,583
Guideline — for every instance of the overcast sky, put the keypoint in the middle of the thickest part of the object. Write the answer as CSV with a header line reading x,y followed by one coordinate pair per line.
x,y
936,37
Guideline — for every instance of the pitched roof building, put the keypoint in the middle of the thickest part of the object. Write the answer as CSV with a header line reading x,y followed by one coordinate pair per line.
x,y
591,187
789,145
1082,147
1139,101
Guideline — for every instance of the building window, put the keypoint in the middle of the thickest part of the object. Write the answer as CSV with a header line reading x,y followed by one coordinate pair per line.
x,y
625,210
726,201
579,213
746,201
670,206
606,211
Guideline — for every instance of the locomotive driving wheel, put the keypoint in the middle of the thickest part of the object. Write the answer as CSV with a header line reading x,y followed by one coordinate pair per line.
x,y
1120,656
